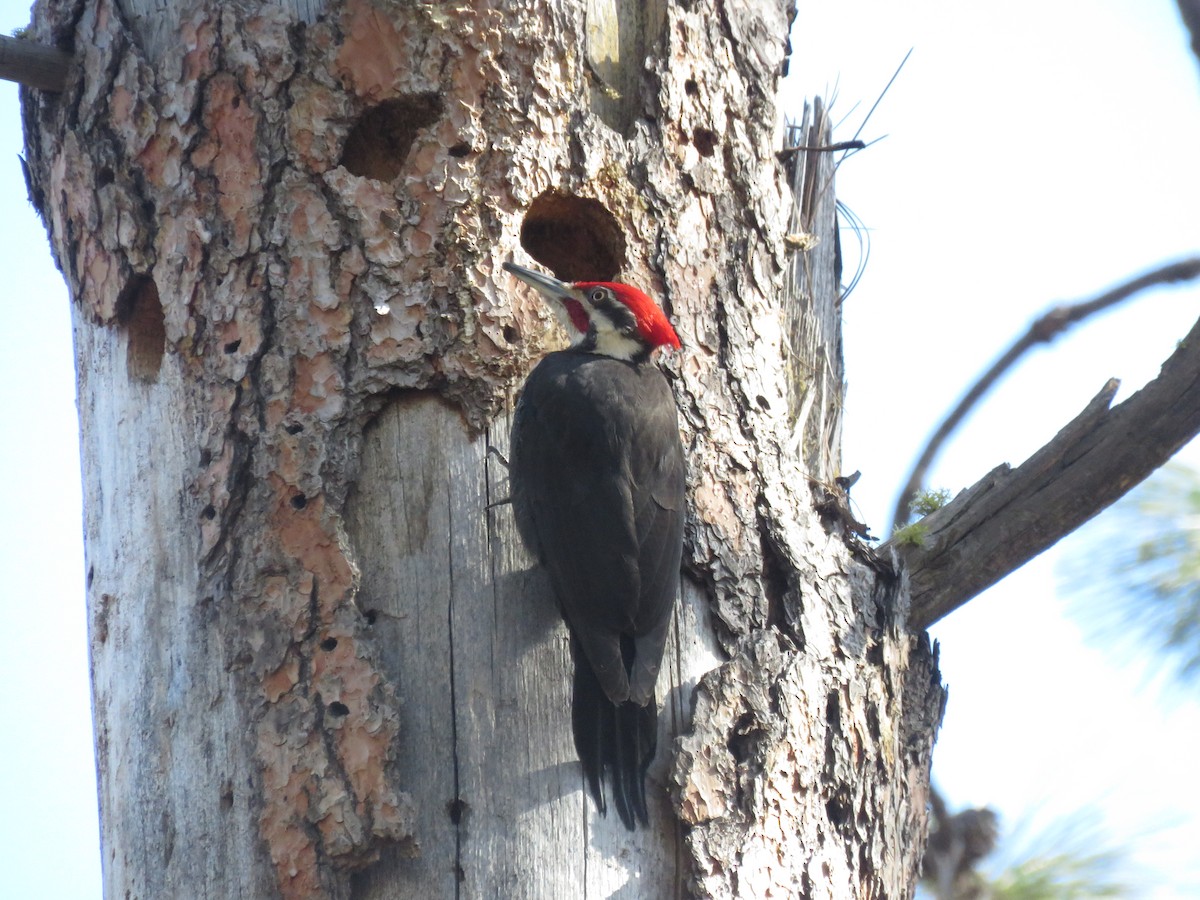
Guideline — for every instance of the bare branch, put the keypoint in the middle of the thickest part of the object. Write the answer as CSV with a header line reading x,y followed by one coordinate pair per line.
x,y
1190,10
1049,326
887,87
823,148
1009,517
33,65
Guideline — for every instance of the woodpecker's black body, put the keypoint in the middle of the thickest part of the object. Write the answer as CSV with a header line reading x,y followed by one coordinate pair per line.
x,y
597,482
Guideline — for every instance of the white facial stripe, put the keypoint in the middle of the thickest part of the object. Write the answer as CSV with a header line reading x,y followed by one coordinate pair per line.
x,y
619,346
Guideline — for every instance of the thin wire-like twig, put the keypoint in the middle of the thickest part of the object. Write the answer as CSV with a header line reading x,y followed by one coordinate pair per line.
x,y
874,106
863,235
1045,329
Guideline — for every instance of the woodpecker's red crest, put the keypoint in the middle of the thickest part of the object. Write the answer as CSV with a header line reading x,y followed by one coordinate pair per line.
x,y
604,317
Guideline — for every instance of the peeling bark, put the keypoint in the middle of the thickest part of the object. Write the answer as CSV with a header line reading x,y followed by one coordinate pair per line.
x,y
317,647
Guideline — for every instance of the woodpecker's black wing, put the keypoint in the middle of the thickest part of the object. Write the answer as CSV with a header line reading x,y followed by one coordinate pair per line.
x,y
658,523
597,479
597,484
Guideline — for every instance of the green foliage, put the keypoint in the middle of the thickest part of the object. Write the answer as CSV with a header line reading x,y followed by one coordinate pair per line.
x,y
1070,858
930,501
914,533
1135,578
1069,875
911,535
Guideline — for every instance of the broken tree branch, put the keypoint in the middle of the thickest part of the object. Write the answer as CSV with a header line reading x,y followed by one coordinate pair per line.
x,y
33,65
1047,327
1010,516
1190,11
823,148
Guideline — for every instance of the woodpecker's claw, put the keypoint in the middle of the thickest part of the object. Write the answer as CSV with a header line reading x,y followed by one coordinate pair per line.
x,y
493,451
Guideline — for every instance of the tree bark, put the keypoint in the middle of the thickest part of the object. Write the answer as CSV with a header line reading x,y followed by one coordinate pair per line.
x,y
322,664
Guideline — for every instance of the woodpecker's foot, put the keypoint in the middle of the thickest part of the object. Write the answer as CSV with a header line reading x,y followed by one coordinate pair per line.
x,y
504,501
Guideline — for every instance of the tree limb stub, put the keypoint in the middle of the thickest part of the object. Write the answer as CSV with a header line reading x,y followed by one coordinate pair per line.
x,y
33,65
1010,516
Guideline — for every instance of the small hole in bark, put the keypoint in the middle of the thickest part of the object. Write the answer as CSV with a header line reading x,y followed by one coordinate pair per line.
x,y
299,501
746,734
209,512
838,810
370,616
775,585
456,808
873,723
294,428
691,88
104,177
140,311
330,643
511,334
875,654
705,141
576,238
339,709
232,346
205,458
459,150
833,712
378,145
226,797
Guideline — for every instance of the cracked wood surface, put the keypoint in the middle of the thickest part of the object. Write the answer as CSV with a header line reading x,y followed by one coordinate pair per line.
x,y
1011,515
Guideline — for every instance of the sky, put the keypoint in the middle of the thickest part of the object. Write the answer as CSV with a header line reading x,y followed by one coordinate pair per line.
x,y
1035,153
49,838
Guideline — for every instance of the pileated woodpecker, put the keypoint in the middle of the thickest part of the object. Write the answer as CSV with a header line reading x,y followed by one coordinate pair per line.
x,y
597,480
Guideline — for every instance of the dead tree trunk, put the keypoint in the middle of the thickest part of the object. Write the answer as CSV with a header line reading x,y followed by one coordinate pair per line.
x,y
322,664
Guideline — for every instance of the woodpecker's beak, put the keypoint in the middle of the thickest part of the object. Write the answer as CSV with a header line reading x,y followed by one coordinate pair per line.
x,y
550,287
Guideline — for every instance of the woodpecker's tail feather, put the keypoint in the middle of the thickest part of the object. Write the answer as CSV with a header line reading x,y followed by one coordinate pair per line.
x,y
616,743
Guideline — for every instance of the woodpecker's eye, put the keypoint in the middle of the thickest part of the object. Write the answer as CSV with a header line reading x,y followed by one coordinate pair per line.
x,y
597,295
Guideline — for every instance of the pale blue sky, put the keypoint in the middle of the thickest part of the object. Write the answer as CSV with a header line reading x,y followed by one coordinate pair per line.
x,y
49,843
1037,152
